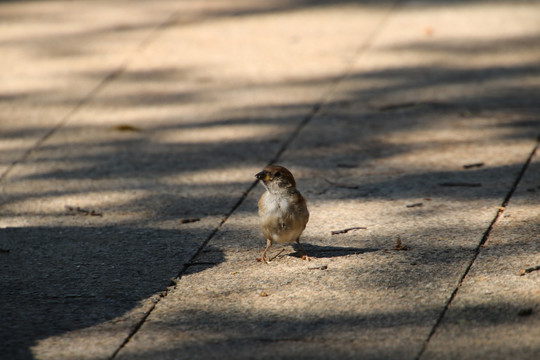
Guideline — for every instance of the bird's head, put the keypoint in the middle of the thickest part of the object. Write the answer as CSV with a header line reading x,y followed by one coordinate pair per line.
x,y
276,178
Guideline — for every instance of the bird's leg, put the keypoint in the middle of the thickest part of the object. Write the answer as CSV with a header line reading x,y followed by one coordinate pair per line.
x,y
305,256
275,256
268,244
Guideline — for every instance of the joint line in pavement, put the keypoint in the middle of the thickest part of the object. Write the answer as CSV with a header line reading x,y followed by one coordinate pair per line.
x,y
363,48
484,239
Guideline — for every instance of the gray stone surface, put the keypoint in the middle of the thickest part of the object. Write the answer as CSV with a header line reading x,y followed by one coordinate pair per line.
x,y
131,132
495,314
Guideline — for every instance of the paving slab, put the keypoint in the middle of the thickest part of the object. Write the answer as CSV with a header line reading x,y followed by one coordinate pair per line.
x,y
56,54
128,221
149,158
382,153
495,313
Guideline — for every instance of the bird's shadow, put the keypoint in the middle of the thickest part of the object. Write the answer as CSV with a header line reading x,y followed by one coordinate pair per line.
x,y
316,251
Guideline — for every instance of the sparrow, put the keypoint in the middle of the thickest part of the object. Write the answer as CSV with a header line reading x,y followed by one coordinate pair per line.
x,y
283,211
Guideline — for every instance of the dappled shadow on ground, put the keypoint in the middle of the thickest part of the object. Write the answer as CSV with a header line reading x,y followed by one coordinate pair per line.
x,y
274,335
60,278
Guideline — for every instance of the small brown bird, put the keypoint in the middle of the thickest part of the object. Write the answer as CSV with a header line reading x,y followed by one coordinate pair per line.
x,y
283,212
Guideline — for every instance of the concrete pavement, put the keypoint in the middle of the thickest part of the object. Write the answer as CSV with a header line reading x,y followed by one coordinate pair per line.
x,y
131,131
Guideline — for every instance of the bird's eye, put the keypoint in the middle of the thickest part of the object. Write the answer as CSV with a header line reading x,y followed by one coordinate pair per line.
x,y
278,174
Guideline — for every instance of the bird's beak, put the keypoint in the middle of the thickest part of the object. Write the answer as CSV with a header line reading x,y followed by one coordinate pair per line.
x,y
263,176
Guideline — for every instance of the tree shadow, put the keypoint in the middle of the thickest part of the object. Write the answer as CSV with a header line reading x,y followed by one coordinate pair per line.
x,y
59,279
56,279
272,335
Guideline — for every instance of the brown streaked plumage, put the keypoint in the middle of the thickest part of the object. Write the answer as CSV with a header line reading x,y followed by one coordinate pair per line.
x,y
283,211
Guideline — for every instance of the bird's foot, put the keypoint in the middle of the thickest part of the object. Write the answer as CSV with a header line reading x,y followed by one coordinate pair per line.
x,y
267,260
264,259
